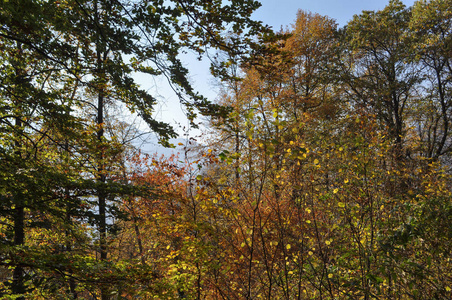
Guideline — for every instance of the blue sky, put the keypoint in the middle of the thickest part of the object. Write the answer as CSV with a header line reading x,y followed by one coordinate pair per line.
x,y
279,13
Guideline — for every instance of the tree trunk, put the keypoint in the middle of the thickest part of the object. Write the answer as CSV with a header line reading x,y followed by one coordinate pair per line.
x,y
18,287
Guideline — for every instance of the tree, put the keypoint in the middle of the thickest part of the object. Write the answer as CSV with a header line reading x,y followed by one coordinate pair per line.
x,y
382,77
332,199
34,103
92,48
430,28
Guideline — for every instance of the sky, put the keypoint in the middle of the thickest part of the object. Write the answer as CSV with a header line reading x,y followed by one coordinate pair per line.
x,y
276,13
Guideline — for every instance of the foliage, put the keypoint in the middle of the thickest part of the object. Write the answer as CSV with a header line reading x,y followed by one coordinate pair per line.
x,y
326,174
65,65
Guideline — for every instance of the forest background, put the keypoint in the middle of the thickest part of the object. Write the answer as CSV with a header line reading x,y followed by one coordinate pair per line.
x,y
325,172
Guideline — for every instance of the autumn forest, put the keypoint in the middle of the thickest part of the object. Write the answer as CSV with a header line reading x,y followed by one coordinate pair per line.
x,y
324,170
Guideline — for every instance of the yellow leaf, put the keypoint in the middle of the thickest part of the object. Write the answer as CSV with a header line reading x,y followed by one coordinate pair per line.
x,y
341,204
330,275
310,253
327,242
288,246
346,180
335,191
316,161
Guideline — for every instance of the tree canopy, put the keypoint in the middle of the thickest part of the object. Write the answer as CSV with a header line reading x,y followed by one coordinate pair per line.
x,y
325,172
